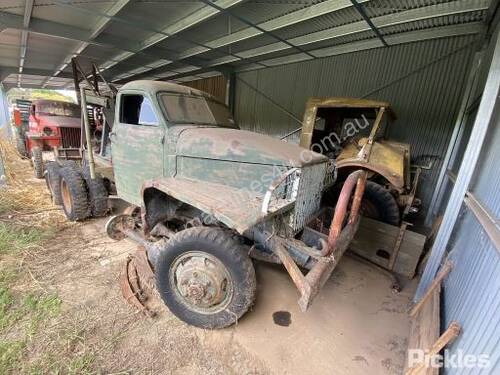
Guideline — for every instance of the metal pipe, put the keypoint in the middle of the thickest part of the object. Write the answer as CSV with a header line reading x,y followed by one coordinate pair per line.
x,y
86,125
357,178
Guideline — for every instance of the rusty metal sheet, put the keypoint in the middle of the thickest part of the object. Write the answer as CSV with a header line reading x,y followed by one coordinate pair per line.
x,y
313,104
341,102
387,159
237,208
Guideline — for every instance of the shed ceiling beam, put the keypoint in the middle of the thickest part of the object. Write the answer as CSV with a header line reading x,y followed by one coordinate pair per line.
x,y
58,30
98,28
31,71
401,38
301,15
290,19
367,19
171,29
28,9
417,14
412,15
257,27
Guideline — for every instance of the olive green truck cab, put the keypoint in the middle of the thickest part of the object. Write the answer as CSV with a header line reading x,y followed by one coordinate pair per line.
x,y
212,197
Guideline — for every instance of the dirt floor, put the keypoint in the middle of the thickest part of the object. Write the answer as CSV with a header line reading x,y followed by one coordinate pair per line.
x,y
356,325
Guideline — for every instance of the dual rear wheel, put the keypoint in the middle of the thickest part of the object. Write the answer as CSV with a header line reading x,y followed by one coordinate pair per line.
x,y
72,188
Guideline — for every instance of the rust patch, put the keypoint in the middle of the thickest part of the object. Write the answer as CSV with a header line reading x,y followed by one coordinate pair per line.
x,y
136,282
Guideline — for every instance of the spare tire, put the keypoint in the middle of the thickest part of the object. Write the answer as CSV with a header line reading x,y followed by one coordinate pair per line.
x,y
379,204
53,181
97,193
74,195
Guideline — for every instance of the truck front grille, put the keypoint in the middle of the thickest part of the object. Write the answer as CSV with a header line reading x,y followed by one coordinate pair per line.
x,y
309,194
70,137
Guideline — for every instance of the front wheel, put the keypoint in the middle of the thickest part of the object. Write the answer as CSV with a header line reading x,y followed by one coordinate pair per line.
x,y
379,204
205,278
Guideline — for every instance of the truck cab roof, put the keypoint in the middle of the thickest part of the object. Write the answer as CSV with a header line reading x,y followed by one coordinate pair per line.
x,y
155,87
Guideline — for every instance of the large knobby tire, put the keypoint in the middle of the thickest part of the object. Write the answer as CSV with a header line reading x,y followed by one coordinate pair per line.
x,y
74,196
53,181
97,193
205,277
379,204
37,161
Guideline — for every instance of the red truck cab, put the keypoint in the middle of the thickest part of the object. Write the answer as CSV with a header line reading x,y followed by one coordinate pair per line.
x,y
53,126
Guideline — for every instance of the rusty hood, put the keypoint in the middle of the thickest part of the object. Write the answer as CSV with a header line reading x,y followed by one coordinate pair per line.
x,y
59,121
244,147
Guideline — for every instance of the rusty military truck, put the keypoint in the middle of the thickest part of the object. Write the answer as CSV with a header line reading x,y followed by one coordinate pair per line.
x,y
211,197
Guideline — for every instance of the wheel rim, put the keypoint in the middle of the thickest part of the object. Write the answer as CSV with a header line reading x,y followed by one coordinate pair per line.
x,y
201,282
66,196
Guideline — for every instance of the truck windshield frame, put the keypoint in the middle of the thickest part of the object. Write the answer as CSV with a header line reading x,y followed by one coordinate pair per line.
x,y
182,108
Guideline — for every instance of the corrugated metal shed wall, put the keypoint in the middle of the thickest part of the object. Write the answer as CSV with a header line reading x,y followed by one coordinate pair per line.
x,y
471,293
423,81
472,290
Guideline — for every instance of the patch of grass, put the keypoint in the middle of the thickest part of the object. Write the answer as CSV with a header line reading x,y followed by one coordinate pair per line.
x,y
6,301
7,275
40,308
10,354
81,364
14,239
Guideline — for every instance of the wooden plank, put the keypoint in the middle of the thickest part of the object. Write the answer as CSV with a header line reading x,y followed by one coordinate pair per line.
x,y
425,326
374,238
424,330
445,269
447,337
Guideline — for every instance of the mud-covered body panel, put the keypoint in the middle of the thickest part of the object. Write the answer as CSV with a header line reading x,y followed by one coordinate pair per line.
x,y
387,159
243,146
236,208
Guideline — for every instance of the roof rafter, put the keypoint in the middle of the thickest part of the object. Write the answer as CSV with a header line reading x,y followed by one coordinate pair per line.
x,y
301,15
406,37
387,20
30,71
98,28
28,9
367,19
185,23
58,30
245,21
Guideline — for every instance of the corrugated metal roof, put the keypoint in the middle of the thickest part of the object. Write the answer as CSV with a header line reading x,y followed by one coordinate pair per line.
x,y
375,8
338,18
123,37
455,19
